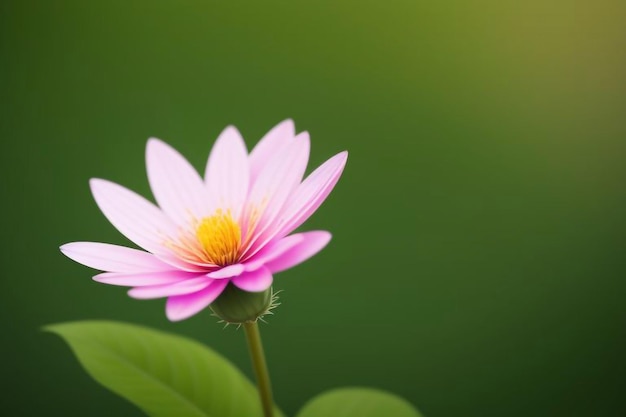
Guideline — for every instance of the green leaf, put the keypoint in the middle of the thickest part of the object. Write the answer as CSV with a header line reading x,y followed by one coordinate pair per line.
x,y
163,374
358,402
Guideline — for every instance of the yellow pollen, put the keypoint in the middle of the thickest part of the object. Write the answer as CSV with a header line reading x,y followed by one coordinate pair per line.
x,y
220,237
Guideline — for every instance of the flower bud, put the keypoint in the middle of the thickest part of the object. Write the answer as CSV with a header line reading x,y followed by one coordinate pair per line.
x,y
237,306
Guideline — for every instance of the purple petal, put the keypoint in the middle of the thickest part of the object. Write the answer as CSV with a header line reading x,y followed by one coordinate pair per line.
x,y
312,192
184,306
271,144
278,179
134,216
311,243
227,272
304,201
176,185
113,258
254,281
272,251
143,279
227,171
187,286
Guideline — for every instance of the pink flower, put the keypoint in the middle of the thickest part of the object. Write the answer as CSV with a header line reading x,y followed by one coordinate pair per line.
x,y
233,226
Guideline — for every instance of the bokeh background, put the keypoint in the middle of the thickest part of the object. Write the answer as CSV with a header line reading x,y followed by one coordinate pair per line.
x,y
478,260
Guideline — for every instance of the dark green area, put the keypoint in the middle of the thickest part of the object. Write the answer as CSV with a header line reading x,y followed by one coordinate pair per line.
x,y
477,266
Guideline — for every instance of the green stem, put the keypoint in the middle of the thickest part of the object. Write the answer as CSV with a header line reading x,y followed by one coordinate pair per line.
x,y
260,367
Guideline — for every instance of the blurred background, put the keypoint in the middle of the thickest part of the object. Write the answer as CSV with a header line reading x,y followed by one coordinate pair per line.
x,y
477,266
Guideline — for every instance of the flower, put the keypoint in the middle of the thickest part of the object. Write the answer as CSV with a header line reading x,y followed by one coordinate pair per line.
x,y
233,226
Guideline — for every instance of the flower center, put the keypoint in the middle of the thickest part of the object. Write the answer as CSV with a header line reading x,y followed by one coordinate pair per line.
x,y
220,237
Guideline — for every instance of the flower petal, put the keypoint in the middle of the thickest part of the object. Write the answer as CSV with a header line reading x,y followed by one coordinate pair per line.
x,y
303,202
113,258
134,216
273,251
278,179
184,306
142,279
311,193
281,173
254,281
270,144
227,172
176,185
311,243
227,271
187,286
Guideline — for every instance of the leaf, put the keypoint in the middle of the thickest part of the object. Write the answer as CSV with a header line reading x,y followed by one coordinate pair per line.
x,y
163,374
358,402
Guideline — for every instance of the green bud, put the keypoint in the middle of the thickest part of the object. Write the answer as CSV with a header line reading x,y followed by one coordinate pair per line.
x,y
237,306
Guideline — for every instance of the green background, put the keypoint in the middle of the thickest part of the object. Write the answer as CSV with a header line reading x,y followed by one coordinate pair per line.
x,y
477,266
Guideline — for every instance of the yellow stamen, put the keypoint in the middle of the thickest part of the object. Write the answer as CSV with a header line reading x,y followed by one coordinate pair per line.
x,y
220,237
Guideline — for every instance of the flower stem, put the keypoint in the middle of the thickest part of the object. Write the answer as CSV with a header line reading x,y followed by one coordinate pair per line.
x,y
260,367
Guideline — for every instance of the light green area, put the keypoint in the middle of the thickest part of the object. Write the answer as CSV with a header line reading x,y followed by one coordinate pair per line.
x,y
477,264
163,374
358,402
